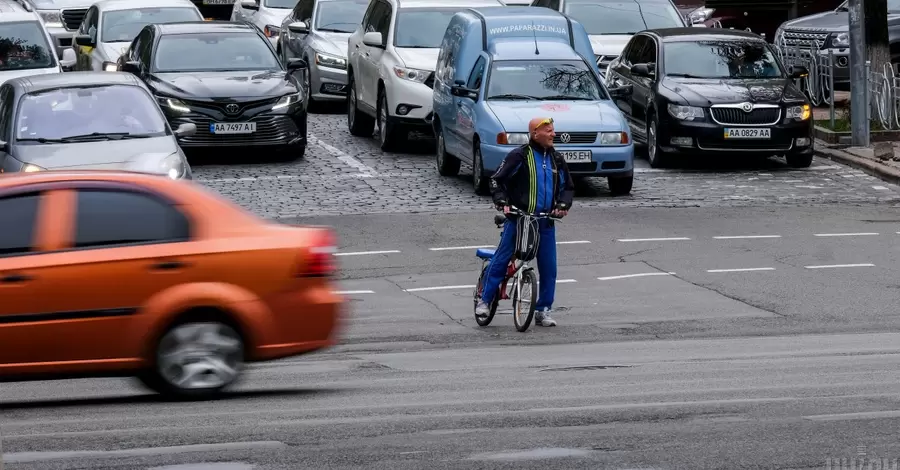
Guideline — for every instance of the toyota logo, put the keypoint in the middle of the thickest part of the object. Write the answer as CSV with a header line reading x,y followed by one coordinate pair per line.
x,y
747,107
232,108
565,138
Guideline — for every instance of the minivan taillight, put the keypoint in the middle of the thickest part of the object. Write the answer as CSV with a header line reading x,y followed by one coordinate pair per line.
x,y
321,260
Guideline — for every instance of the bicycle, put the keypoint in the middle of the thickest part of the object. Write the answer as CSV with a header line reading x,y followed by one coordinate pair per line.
x,y
519,271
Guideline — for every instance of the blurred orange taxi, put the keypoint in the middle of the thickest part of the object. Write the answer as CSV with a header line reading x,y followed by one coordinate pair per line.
x,y
127,274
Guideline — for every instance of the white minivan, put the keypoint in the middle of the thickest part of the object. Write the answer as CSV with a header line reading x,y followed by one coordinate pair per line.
x,y
31,51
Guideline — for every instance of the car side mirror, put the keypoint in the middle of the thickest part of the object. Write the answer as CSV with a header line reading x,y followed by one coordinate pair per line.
x,y
249,5
373,39
85,40
132,67
185,130
621,91
296,64
68,59
463,92
799,71
641,70
299,27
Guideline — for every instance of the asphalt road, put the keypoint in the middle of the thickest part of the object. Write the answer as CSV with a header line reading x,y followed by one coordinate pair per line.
x,y
728,315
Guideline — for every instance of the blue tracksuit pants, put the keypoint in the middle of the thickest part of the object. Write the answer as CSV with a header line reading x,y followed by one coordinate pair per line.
x,y
546,264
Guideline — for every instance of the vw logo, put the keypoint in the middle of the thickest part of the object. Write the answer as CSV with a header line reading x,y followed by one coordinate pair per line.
x,y
232,108
565,137
747,107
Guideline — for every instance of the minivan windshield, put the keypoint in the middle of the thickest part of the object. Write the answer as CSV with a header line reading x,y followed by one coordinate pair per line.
x,y
624,16
720,59
23,46
422,27
124,25
543,80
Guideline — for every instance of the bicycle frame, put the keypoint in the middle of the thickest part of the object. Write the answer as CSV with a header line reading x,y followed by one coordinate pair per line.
x,y
516,267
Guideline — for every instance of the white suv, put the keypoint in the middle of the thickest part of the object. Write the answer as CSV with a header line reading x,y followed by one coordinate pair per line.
x,y
30,48
392,56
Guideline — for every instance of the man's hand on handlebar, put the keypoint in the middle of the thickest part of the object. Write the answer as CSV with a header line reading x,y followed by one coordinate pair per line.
x,y
559,211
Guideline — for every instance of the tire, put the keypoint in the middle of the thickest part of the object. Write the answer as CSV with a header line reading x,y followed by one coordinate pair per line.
x,y
481,184
655,155
799,161
388,132
620,185
221,350
447,165
528,279
485,321
359,123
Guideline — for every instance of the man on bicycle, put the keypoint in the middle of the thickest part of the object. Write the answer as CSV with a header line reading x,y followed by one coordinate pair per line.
x,y
534,178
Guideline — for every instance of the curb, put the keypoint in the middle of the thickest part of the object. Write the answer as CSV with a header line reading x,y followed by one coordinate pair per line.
x,y
886,173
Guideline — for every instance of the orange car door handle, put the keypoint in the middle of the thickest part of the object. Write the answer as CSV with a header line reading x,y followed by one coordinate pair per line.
x,y
15,278
167,265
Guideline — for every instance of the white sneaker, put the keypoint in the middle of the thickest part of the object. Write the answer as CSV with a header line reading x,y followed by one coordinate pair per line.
x,y
482,309
543,318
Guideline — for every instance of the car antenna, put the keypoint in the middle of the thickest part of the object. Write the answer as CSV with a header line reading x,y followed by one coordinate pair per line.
x,y
533,33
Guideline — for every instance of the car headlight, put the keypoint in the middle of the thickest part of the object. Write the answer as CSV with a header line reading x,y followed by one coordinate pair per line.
x,y
514,138
840,40
701,14
288,100
613,138
800,113
51,18
330,61
173,166
29,168
174,104
685,112
110,66
413,75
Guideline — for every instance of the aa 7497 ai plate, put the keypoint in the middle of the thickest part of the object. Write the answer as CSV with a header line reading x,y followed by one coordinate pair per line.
x,y
577,156
232,127
748,133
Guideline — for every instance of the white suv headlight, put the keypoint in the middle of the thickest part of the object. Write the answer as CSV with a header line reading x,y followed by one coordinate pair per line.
x,y
685,112
51,18
330,61
413,75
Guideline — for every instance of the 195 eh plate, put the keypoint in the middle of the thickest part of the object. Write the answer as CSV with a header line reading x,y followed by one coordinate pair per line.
x,y
578,156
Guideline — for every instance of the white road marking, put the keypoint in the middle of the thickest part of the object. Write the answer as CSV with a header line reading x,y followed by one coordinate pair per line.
x,y
347,159
861,265
738,270
573,242
737,237
809,186
853,416
652,239
792,181
880,188
858,234
626,276
359,253
251,179
352,292
824,167
564,281
41,456
422,289
471,247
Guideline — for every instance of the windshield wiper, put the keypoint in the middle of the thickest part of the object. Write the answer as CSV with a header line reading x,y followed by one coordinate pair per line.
x,y
104,135
42,140
684,75
513,96
331,30
567,97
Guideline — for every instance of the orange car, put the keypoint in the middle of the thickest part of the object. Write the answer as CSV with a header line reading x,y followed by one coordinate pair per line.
x,y
129,274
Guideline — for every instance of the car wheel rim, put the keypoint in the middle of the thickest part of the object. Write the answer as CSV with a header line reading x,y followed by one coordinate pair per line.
x,y
352,105
382,121
196,356
651,144
476,168
440,148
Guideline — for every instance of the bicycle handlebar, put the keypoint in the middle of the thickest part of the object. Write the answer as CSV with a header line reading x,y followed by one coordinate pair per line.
x,y
539,215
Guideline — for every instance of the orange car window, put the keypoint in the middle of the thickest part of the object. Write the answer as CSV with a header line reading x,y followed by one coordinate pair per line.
x,y
117,217
18,216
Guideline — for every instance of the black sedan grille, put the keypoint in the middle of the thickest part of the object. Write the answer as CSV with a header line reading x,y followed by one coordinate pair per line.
x,y
737,116
430,80
223,107
270,130
72,18
575,138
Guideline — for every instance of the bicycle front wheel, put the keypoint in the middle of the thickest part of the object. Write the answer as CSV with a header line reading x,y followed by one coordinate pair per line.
x,y
524,297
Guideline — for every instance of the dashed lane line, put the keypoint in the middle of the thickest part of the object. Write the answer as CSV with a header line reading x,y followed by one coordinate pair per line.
x,y
826,266
470,247
626,276
423,289
652,239
347,159
738,270
858,234
573,242
353,292
360,253
741,237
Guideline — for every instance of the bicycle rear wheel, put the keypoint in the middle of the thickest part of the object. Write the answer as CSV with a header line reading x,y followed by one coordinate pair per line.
x,y
485,321
524,297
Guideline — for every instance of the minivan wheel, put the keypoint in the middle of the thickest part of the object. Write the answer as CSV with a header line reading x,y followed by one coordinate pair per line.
x,y
196,360
447,165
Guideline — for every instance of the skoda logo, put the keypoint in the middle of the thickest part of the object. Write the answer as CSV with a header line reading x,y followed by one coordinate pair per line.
x,y
232,108
565,138
747,107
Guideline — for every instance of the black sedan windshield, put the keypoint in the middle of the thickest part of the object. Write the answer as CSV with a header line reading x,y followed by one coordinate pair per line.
x,y
542,80
720,59
624,16
67,112
422,27
24,46
124,25
201,52
342,16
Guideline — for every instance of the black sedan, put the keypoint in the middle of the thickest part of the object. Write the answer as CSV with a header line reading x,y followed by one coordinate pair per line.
x,y
714,92
227,80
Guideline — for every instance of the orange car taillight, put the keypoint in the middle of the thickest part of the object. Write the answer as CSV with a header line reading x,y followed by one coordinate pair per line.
x,y
321,260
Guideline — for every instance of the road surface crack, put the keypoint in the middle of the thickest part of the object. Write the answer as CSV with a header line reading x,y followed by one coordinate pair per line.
x,y
717,291
429,302
627,255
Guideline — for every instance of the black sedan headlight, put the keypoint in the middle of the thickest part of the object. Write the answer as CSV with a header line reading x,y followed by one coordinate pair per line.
x,y
288,101
172,104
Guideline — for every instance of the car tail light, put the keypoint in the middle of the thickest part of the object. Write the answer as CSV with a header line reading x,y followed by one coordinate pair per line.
x,y
320,261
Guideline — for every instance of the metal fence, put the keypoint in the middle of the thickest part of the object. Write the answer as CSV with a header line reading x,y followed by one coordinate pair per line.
x,y
883,85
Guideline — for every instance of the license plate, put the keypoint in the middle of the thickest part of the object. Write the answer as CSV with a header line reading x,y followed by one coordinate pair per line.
x,y
577,157
755,133
232,127
218,2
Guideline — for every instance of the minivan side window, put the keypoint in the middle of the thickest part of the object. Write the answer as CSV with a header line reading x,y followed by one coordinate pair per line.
x,y
477,74
18,219
107,218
